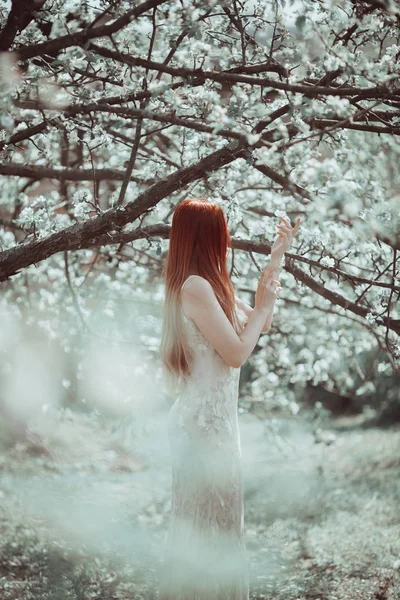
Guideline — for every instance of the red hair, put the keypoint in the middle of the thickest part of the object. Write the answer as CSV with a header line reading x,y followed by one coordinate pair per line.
x,y
197,224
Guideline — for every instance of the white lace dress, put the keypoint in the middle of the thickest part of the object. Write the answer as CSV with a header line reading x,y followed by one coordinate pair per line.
x,y
205,553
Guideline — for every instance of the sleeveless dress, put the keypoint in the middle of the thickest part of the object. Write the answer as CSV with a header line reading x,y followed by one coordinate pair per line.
x,y
204,552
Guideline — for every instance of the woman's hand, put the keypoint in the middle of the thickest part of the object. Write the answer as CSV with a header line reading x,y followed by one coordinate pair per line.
x,y
267,291
284,239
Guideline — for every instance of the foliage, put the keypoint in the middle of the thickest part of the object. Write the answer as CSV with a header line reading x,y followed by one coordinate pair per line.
x,y
110,115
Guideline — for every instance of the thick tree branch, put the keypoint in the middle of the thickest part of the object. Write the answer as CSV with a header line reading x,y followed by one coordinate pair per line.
x,y
81,37
34,172
26,133
79,235
364,7
21,14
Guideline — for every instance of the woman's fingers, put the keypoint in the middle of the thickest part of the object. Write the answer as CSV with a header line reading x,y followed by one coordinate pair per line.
x,y
297,226
271,280
285,231
282,227
287,224
274,284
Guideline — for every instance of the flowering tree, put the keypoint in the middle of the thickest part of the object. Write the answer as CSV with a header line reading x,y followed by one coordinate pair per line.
x,y
110,115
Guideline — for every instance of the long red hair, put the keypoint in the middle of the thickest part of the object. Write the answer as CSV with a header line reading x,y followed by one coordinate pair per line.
x,y
197,224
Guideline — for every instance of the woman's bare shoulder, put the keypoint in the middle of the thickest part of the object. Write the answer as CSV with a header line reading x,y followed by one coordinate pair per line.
x,y
196,283
195,290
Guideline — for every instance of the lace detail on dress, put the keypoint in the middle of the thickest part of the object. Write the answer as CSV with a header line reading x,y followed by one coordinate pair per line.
x,y
205,553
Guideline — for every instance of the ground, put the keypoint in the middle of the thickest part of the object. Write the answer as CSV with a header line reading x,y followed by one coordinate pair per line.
x,y
85,515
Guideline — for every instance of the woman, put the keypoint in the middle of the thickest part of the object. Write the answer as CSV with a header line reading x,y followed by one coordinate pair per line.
x,y
208,333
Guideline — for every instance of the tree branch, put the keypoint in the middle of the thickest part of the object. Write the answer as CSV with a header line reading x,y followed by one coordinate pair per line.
x,y
79,38
162,230
34,172
79,235
21,14
226,76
